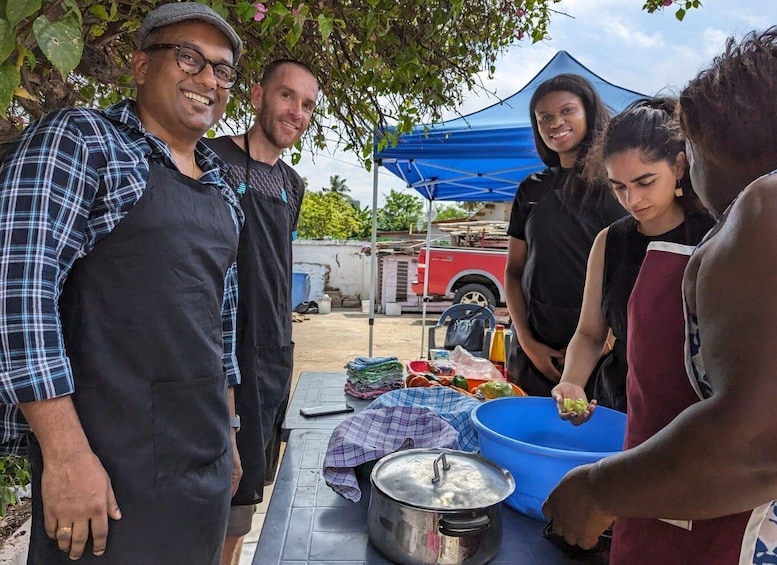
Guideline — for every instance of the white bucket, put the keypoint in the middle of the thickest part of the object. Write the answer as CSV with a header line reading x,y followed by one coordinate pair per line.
x,y
324,304
393,309
365,306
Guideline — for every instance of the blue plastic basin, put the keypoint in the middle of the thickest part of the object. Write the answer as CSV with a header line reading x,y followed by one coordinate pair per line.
x,y
526,436
300,289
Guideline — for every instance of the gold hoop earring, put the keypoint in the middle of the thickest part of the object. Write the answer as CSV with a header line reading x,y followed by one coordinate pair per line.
x,y
678,191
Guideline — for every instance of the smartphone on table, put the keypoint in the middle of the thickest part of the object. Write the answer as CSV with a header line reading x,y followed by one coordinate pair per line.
x,y
326,410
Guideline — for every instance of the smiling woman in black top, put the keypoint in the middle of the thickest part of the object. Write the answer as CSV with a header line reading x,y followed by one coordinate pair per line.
x,y
555,218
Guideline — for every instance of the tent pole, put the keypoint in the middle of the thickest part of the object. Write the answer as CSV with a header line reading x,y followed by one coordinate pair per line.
x,y
427,266
373,252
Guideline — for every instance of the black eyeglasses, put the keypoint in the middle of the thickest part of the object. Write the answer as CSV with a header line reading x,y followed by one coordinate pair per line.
x,y
192,62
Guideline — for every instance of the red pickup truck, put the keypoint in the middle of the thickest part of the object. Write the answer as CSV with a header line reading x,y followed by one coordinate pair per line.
x,y
463,274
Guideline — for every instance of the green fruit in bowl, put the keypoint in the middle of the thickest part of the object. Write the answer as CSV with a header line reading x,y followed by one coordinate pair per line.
x,y
495,389
577,405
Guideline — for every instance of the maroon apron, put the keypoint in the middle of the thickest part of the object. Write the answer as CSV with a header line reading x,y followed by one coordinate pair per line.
x,y
141,318
658,389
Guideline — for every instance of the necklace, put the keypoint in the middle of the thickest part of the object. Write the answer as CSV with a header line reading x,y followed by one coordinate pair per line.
x,y
246,184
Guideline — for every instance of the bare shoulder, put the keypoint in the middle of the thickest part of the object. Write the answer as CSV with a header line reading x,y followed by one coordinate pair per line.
x,y
729,286
758,201
752,220
734,269
600,242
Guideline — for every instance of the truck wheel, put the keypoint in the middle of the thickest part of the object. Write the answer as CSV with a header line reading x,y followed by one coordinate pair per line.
x,y
475,294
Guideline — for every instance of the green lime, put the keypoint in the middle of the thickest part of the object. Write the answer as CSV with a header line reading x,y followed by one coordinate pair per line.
x,y
460,382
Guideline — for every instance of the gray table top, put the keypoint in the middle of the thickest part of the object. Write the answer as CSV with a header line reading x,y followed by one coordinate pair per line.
x,y
308,524
317,389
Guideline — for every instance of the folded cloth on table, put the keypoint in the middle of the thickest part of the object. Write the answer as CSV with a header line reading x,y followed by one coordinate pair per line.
x,y
371,434
368,377
453,407
368,393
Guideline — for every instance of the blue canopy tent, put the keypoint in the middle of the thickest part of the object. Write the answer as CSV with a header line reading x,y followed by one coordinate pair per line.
x,y
482,156
485,155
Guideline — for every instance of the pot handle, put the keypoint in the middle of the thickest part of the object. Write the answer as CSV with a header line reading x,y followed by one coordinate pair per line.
x,y
456,527
445,467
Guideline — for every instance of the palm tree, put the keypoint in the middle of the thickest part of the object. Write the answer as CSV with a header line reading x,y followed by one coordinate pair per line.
x,y
337,185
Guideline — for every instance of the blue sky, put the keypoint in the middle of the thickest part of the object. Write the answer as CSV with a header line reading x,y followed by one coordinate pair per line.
x,y
649,53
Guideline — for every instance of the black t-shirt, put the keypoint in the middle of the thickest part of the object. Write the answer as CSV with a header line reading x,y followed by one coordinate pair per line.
x,y
559,232
278,181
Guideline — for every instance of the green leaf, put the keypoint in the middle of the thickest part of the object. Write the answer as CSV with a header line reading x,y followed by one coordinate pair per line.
x,y
17,10
60,42
73,11
9,79
680,14
7,40
294,33
325,25
371,63
100,12
278,9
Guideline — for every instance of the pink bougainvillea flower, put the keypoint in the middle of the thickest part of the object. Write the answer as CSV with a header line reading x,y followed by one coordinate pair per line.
x,y
520,13
520,34
667,2
296,11
260,11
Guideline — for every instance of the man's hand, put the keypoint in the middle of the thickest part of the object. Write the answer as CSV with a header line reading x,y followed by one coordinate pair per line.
x,y
77,495
574,512
237,466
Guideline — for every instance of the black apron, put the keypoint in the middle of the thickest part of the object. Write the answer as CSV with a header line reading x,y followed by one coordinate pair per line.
x,y
559,233
141,318
265,350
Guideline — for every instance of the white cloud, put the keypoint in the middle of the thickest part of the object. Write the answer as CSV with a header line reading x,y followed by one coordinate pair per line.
x,y
624,34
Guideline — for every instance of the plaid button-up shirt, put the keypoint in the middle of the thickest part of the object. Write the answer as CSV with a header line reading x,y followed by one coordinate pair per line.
x,y
68,181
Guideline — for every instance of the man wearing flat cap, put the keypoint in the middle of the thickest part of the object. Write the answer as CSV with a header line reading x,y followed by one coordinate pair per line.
x,y
118,296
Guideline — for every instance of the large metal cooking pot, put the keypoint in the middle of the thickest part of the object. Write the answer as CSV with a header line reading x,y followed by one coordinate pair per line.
x,y
437,507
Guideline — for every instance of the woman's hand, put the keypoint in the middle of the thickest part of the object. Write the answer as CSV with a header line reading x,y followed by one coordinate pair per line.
x,y
567,390
542,357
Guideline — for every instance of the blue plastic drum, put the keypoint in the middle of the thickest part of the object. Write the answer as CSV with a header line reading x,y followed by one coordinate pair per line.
x,y
526,436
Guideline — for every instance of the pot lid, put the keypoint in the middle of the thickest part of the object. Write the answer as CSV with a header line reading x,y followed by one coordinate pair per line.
x,y
442,479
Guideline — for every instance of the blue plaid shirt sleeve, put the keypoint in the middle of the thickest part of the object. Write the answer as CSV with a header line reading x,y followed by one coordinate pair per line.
x,y
47,191
229,320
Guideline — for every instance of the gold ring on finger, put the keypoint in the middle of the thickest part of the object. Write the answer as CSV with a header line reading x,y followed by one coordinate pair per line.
x,y
66,530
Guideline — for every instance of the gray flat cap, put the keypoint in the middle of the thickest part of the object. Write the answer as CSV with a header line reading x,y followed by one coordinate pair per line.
x,y
175,12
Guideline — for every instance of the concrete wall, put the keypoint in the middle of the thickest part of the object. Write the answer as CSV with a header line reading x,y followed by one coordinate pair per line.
x,y
334,264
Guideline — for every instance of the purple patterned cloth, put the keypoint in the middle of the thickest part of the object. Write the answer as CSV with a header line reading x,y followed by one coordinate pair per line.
x,y
371,434
453,407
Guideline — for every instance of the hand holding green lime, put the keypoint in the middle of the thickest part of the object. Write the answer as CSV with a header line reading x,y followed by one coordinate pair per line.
x,y
576,405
